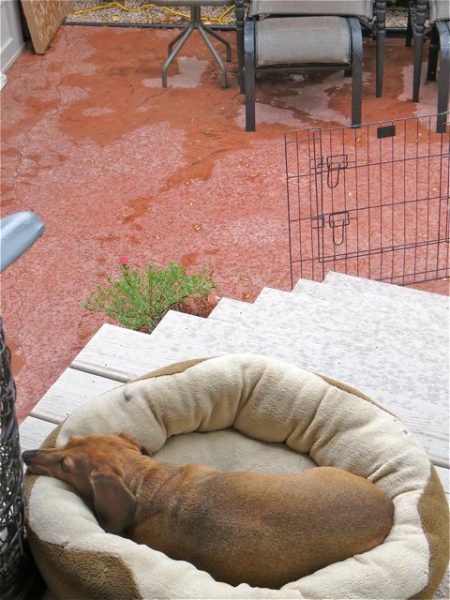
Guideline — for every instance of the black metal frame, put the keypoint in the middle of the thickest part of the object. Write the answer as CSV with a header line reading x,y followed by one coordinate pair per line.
x,y
370,202
439,34
250,70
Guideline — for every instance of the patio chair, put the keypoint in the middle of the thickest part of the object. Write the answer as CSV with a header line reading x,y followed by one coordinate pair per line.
x,y
196,23
306,35
438,13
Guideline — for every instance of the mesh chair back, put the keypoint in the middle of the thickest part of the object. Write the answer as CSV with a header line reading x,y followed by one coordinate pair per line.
x,y
361,8
439,10
315,40
191,2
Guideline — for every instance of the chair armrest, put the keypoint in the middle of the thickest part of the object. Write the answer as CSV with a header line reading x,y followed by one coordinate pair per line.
x,y
18,232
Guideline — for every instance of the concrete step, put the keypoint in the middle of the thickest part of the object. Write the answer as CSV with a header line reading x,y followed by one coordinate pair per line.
x,y
358,318
343,288
386,290
393,380
419,312
413,327
306,284
229,308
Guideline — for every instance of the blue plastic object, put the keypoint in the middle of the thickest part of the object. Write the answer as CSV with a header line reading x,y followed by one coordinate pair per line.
x,y
17,233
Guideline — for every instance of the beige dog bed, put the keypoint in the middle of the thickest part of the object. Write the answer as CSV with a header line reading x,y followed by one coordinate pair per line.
x,y
244,412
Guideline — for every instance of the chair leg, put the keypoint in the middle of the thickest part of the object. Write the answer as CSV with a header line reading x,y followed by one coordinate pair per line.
x,y
418,54
418,47
218,37
249,75
433,54
357,48
409,29
175,40
381,36
186,33
215,55
240,42
380,8
444,75
180,39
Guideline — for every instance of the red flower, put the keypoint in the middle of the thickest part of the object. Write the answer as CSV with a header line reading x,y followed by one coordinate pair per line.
x,y
123,260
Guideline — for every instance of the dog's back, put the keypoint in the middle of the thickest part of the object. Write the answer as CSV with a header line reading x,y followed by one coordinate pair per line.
x,y
265,530
261,529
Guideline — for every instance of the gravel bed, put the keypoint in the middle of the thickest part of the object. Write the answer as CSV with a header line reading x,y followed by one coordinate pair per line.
x,y
151,15
396,16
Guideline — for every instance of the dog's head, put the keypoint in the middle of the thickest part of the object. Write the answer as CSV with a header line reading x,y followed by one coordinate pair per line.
x,y
95,466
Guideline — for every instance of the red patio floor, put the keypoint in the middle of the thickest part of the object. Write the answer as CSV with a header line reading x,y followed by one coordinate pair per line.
x,y
117,166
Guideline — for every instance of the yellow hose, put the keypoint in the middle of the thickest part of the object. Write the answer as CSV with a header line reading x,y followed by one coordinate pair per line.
x,y
220,19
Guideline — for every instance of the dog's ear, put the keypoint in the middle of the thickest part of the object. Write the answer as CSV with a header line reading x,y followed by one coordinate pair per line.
x,y
113,502
143,450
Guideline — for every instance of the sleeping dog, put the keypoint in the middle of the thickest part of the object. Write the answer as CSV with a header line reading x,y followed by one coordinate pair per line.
x,y
241,527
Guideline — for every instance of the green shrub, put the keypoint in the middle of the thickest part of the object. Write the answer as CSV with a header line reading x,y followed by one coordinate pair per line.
x,y
139,300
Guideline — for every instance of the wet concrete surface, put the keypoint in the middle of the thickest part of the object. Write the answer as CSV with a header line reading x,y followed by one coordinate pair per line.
x,y
116,166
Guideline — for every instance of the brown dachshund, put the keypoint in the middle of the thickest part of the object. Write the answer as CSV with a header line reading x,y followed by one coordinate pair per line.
x,y
257,528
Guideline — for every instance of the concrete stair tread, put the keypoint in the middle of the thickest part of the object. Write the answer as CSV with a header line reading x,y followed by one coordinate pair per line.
x,y
424,311
360,318
436,305
408,343
381,288
411,343
364,300
397,365
229,308
306,284
334,316
370,369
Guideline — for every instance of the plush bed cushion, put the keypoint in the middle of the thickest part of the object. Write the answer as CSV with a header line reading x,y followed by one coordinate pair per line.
x,y
244,412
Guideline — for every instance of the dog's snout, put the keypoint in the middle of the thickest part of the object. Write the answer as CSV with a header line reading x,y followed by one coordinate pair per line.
x,y
28,456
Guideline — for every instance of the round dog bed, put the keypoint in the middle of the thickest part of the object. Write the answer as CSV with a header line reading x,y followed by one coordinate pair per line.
x,y
244,412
